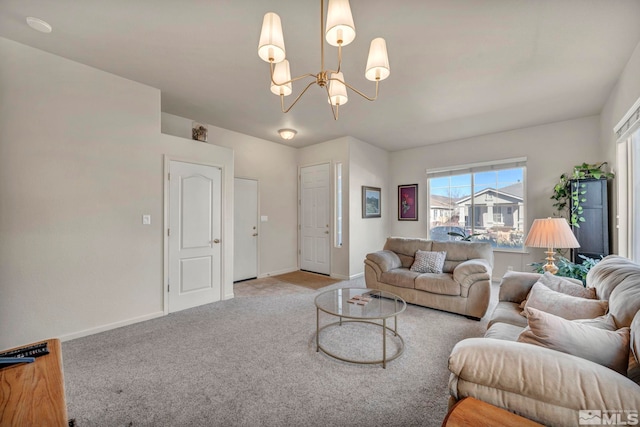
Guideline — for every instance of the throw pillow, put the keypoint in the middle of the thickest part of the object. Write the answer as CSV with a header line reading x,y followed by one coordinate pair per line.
x,y
565,286
607,348
565,306
428,262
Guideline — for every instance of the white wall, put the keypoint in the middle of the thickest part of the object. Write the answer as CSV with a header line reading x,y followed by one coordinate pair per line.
x,y
335,151
274,166
81,160
625,93
550,150
368,166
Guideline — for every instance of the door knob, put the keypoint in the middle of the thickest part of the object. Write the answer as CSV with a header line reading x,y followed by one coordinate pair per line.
x,y
326,232
216,240
255,234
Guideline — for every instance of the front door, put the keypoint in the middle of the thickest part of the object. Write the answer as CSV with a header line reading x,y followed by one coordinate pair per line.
x,y
315,233
195,206
245,244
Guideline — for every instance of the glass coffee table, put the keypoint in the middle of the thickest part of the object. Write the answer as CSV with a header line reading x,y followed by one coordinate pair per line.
x,y
361,305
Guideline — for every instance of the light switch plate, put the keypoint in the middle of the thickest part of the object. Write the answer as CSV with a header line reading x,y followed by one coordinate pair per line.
x,y
264,218
146,219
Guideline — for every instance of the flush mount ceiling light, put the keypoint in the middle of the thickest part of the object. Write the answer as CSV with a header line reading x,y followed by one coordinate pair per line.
x,y
340,31
39,25
287,133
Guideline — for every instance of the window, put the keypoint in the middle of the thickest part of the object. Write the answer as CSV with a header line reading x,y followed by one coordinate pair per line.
x,y
628,178
484,200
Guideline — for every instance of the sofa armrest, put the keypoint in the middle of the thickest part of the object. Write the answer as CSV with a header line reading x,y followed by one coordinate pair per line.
x,y
385,260
536,382
471,271
515,285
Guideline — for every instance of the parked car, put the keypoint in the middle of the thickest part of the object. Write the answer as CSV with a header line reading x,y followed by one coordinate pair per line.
x,y
441,232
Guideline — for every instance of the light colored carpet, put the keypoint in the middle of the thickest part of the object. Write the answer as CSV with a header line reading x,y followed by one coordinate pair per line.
x,y
253,362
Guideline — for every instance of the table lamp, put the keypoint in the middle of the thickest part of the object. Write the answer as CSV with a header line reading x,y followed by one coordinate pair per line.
x,y
551,233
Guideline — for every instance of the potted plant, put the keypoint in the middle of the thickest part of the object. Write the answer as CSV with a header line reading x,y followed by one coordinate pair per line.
x,y
568,198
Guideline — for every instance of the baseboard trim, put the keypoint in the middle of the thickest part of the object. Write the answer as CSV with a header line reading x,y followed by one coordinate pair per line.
x,y
108,327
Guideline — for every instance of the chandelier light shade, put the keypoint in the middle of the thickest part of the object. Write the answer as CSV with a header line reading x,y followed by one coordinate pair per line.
x,y
339,31
337,90
281,73
271,46
378,61
340,27
551,233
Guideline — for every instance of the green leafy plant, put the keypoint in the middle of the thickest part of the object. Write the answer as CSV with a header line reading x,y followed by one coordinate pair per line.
x,y
564,192
464,236
567,268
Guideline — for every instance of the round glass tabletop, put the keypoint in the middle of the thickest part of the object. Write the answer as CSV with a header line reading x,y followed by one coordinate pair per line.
x,y
360,303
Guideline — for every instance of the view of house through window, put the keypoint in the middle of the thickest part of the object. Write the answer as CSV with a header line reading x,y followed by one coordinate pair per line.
x,y
481,203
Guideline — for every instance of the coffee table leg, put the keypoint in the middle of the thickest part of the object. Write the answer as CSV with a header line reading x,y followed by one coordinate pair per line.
x,y
384,343
395,326
317,330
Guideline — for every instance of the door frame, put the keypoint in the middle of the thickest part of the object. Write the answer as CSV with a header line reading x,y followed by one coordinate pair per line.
x,y
258,230
165,223
331,210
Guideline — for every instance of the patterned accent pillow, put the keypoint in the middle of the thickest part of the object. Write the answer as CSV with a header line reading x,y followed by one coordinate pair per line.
x,y
428,262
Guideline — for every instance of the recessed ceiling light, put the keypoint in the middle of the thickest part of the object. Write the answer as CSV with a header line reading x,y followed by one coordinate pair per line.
x,y
39,25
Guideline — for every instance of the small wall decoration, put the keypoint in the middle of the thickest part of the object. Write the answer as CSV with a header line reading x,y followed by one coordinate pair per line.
x,y
199,132
371,203
408,202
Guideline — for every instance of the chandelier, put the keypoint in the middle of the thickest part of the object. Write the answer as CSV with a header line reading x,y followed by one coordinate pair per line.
x,y
340,31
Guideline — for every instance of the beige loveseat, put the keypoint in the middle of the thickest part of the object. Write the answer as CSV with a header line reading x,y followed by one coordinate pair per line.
x,y
463,286
571,368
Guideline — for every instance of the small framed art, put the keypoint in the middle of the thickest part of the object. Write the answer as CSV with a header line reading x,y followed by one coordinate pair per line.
x,y
371,203
408,202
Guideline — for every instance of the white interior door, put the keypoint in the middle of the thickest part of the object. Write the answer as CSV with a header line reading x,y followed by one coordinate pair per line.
x,y
195,206
245,247
315,219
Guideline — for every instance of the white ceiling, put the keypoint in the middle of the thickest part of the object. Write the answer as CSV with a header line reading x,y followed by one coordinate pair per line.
x,y
459,68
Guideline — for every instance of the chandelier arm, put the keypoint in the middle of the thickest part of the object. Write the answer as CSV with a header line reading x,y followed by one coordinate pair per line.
x,y
334,112
289,81
296,100
368,98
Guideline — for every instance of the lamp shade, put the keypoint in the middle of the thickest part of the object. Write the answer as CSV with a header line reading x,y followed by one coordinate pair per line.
x,y
337,90
378,61
271,44
551,233
340,28
281,73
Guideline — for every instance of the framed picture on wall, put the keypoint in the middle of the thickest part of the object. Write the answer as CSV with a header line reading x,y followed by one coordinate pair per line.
x,y
371,203
408,202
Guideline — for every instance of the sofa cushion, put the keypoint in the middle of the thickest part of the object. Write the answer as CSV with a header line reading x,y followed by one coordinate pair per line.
x,y
437,283
504,331
508,312
428,262
607,348
406,248
401,277
605,322
458,252
624,301
607,274
567,286
566,306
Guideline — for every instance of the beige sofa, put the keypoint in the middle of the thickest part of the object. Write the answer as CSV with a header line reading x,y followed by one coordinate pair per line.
x,y
539,382
463,287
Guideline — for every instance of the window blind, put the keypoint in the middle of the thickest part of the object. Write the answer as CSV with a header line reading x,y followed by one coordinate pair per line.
x,y
629,123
